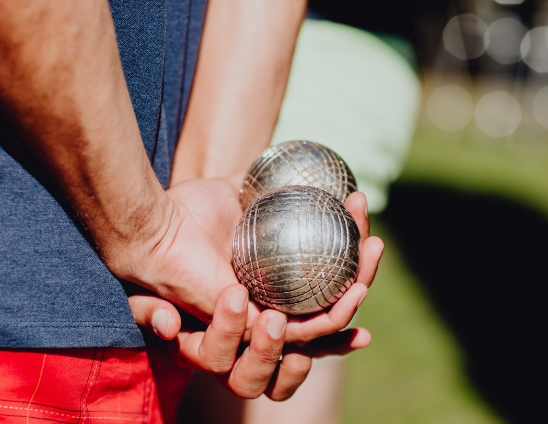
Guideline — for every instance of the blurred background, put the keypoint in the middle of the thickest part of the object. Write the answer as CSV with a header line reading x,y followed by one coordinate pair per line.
x,y
457,311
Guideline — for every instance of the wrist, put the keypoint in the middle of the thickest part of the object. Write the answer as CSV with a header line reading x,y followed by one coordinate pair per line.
x,y
125,242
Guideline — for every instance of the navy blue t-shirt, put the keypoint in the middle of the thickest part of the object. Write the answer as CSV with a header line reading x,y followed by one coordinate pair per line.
x,y
54,289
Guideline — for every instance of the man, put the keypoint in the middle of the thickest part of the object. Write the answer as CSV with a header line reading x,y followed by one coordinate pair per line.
x,y
91,103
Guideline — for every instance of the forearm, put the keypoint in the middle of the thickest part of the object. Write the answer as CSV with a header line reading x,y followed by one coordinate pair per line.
x,y
242,72
62,90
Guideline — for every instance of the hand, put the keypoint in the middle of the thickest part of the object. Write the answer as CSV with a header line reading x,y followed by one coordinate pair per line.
x,y
258,369
215,350
192,263
192,349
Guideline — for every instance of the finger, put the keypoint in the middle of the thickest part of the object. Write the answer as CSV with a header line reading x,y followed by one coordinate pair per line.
x,y
304,329
215,350
340,343
156,315
253,312
290,374
356,204
254,369
370,255
297,359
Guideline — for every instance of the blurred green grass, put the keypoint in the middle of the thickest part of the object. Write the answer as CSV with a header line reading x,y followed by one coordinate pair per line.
x,y
413,372
510,168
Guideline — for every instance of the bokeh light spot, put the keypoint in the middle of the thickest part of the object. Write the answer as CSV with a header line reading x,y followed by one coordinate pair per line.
x,y
450,107
505,36
540,107
465,36
498,114
534,49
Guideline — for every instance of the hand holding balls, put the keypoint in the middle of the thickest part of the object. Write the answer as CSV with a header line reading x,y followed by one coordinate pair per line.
x,y
296,247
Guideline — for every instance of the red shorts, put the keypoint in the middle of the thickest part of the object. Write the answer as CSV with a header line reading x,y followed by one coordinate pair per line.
x,y
94,385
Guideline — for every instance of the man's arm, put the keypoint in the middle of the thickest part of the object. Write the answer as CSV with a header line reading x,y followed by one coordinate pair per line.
x,y
63,91
243,68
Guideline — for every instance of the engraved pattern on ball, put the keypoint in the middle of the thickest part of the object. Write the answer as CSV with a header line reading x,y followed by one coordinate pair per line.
x,y
297,163
296,250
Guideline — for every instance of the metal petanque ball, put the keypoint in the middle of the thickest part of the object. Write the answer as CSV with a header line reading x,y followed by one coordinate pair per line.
x,y
296,250
297,163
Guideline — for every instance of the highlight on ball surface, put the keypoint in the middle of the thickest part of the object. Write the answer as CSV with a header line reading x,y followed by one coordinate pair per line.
x,y
296,249
297,162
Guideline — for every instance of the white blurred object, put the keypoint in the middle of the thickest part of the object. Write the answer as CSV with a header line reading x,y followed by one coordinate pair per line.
x,y
450,107
465,36
356,95
534,49
540,107
498,114
505,36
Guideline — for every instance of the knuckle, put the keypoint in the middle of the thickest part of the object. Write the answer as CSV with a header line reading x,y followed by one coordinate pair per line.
x,y
337,324
304,334
246,392
281,396
229,331
269,357
218,367
299,368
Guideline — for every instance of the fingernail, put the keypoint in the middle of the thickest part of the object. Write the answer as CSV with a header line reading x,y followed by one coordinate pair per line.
x,y
362,299
238,301
161,322
366,211
276,325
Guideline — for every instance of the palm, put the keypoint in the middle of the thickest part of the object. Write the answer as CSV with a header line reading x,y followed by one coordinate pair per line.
x,y
193,262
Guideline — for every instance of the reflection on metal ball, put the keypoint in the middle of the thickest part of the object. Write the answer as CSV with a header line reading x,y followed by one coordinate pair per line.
x,y
297,163
296,250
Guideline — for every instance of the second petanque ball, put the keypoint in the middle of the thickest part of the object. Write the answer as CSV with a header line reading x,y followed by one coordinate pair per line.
x,y
296,250
297,163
